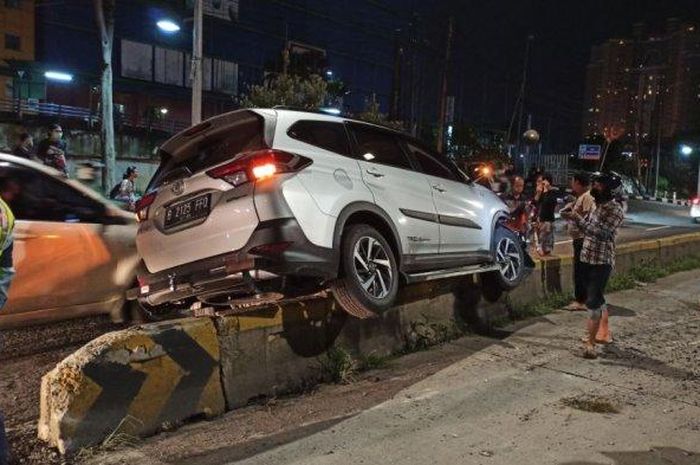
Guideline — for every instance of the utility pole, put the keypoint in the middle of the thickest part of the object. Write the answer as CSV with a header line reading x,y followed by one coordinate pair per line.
x,y
197,63
396,87
520,100
659,111
443,90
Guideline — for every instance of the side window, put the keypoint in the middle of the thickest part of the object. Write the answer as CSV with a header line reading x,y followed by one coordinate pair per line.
x,y
428,164
323,134
379,146
39,197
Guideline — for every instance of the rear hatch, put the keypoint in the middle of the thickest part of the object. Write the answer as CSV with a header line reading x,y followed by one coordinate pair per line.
x,y
187,214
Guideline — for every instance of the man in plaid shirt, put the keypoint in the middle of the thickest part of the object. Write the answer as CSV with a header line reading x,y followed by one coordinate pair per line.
x,y
598,254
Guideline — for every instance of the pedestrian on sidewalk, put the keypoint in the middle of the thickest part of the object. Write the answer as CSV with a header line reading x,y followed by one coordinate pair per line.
x,y
52,150
583,205
24,147
546,201
598,255
9,189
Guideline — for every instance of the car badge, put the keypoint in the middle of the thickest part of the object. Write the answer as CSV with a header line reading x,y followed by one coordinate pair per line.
x,y
178,187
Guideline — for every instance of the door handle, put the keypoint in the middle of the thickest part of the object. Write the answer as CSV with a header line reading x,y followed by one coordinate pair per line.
x,y
375,173
439,188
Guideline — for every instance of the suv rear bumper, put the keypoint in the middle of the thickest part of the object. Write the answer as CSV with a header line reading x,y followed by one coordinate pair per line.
x,y
292,254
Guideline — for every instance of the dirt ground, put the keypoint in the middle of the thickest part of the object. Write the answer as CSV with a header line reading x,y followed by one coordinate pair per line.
x,y
25,356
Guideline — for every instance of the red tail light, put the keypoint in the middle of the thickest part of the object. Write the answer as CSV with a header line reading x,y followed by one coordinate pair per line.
x,y
696,201
143,205
258,165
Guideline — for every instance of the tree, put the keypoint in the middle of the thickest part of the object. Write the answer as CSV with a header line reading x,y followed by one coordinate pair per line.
x,y
288,90
104,15
373,114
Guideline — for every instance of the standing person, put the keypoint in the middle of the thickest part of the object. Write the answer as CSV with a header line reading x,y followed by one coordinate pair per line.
x,y
583,206
8,191
517,203
598,255
125,191
24,146
52,150
546,201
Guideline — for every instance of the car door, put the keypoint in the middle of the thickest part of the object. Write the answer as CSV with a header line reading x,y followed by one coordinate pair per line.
x,y
399,190
60,256
464,222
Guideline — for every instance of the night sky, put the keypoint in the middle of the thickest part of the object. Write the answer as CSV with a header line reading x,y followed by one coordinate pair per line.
x,y
491,39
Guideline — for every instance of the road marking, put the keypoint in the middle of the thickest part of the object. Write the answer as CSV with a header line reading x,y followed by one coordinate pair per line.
x,y
657,228
564,242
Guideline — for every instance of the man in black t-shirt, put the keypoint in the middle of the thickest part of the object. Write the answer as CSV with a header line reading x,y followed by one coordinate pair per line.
x,y
546,201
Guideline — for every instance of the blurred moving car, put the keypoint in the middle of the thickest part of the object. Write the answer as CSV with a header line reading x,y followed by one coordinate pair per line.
x,y
74,251
695,208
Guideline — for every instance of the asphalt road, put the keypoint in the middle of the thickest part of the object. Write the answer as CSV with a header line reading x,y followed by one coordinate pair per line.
x,y
643,220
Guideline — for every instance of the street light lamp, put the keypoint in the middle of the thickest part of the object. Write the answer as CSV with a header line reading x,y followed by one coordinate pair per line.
x,y
58,76
168,25
687,150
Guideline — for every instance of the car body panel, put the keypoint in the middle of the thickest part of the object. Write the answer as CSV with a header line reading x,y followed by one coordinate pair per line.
x,y
67,269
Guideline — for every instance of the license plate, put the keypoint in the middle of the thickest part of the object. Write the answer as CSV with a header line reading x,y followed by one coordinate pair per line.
x,y
184,212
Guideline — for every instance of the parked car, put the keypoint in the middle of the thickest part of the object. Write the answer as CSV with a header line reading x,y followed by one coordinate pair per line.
x,y
255,204
74,251
695,209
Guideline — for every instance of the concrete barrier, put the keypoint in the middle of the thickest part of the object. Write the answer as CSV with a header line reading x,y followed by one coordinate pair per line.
x,y
132,383
142,379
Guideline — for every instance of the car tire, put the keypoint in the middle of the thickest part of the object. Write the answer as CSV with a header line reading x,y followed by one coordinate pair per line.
x,y
510,257
369,274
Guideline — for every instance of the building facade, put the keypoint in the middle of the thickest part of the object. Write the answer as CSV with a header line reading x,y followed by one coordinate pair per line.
x,y
374,47
16,44
639,86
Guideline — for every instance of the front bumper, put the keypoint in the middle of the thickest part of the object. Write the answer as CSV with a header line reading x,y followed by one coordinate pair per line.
x,y
242,268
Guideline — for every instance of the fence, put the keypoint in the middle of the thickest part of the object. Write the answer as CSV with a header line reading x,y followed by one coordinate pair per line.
x,y
555,164
23,108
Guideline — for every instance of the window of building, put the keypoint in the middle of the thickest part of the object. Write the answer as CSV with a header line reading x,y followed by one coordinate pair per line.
x,y
12,3
377,146
168,66
12,42
137,60
326,135
225,77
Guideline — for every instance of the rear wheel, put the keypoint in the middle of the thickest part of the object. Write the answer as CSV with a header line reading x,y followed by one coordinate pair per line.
x,y
369,280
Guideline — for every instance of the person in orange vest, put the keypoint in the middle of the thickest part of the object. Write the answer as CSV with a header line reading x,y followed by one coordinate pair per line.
x,y
9,189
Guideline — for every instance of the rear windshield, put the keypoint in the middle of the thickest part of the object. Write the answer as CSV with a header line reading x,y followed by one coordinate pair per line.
x,y
246,135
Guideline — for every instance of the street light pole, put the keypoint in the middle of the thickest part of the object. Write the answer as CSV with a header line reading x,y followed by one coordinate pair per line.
x,y
197,63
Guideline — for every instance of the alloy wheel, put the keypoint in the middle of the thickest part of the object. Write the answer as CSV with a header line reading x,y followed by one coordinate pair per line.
x,y
373,267
508,258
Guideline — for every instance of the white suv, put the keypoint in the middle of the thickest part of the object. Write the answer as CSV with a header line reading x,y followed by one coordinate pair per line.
x,y
257,205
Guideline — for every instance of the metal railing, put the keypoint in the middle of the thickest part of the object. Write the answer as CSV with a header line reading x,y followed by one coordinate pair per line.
x,y
23,108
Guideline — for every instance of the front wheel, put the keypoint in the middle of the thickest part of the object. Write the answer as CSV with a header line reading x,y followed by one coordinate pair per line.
x,y
369,281
510,258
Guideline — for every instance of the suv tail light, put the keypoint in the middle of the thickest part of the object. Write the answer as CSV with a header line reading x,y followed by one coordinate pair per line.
x,y
143,205
258,165
696,201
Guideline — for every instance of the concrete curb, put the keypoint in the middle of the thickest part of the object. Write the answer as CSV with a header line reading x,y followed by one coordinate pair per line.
x,y
141,380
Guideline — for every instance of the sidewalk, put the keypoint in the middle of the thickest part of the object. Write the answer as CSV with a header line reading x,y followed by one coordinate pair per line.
x,y
526,399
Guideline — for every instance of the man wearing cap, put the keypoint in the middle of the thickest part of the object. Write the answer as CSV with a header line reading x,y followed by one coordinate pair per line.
x,y
599,230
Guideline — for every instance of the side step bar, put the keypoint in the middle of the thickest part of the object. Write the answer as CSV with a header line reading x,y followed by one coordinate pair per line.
x,y
451,272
